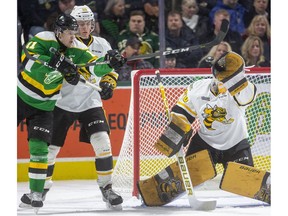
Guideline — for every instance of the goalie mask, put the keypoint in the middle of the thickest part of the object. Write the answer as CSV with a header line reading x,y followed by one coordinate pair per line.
x,y
229,63
84,14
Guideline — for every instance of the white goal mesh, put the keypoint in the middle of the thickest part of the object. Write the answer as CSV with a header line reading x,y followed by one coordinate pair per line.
x,y
138,159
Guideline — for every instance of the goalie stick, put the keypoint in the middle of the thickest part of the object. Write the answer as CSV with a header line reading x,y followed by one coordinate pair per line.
x,y
193,201
53,75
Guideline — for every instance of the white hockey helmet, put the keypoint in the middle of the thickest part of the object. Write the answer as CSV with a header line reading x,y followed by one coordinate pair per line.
x,y
83,13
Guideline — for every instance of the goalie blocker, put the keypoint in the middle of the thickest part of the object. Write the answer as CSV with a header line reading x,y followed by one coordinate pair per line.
x,y
168,185
177,133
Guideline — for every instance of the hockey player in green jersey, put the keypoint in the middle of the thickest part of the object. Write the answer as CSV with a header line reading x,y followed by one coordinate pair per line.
x,y
38,88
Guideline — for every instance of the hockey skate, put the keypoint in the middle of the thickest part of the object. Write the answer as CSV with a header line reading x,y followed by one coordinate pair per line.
x,y
26,199
112,199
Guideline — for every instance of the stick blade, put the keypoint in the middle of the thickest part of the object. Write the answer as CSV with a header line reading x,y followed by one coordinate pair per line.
x,y
201,205
223,31
224,25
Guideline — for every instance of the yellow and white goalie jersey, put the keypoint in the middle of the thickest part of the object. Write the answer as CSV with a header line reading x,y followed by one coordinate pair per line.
x,y
222,116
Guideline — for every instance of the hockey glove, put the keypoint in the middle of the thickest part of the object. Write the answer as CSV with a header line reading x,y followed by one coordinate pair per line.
x,y
66,67
108,83
230,70
115,58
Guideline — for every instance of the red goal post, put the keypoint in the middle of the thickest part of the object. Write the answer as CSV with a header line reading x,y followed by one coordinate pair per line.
x,y
138,159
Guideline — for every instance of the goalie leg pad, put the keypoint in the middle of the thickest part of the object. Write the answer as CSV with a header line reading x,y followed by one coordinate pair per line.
x,y
247,181
167,185
173,137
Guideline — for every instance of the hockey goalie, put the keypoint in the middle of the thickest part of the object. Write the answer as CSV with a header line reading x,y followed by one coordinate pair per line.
x,y
219,105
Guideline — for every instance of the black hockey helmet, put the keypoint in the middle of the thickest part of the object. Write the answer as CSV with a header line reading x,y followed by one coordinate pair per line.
x,y
65,22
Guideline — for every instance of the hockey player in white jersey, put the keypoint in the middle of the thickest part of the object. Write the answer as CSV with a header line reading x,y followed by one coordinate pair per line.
x,y
84,104
219,105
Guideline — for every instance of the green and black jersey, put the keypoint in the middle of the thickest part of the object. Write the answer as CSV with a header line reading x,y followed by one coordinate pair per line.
x,y
38,85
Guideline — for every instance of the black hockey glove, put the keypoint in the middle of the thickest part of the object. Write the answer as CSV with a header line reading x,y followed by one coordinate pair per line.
x,y
107,90
115,58
66,67
108,83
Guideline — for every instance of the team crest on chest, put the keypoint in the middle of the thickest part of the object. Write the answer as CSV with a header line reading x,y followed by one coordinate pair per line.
x,y
215,113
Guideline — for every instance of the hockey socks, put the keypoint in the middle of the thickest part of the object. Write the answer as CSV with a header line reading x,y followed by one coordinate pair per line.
x,y
38,164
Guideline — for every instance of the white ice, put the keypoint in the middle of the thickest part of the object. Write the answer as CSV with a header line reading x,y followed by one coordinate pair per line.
x,y
83,197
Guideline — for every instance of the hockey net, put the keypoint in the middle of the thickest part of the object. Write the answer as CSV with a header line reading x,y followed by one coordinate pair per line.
x,y
138,159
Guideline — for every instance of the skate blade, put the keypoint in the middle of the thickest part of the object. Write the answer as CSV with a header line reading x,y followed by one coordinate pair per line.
x,y
114,207
24,205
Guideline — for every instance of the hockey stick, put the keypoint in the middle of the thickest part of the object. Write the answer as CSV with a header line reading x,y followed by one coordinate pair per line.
x,y
58,74
219,37
193,201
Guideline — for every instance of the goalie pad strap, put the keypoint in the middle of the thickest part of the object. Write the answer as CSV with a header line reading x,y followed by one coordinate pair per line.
x,y
247,181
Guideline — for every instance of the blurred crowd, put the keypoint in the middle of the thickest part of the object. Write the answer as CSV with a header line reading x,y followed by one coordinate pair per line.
x,y
132,27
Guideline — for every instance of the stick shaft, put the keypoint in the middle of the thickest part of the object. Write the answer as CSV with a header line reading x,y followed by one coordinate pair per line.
x,y
187,181
220,36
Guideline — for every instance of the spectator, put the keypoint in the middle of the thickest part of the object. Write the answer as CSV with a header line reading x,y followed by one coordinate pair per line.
x,y
236,12
260,7
132,48
33,15
213,55
198,23
232,37
64,6
136,27
253,52
260,27
170,61
178,35
114,21
152,13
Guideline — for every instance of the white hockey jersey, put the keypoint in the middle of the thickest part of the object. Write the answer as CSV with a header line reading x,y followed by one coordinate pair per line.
x,y
81,97
222,117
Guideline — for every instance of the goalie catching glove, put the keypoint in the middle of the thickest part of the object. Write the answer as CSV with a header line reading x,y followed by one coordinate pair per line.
x,y
66,67
108,83
230,70
115,58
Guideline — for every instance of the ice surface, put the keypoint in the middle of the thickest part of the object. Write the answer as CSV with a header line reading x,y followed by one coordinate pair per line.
x,y
83,197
